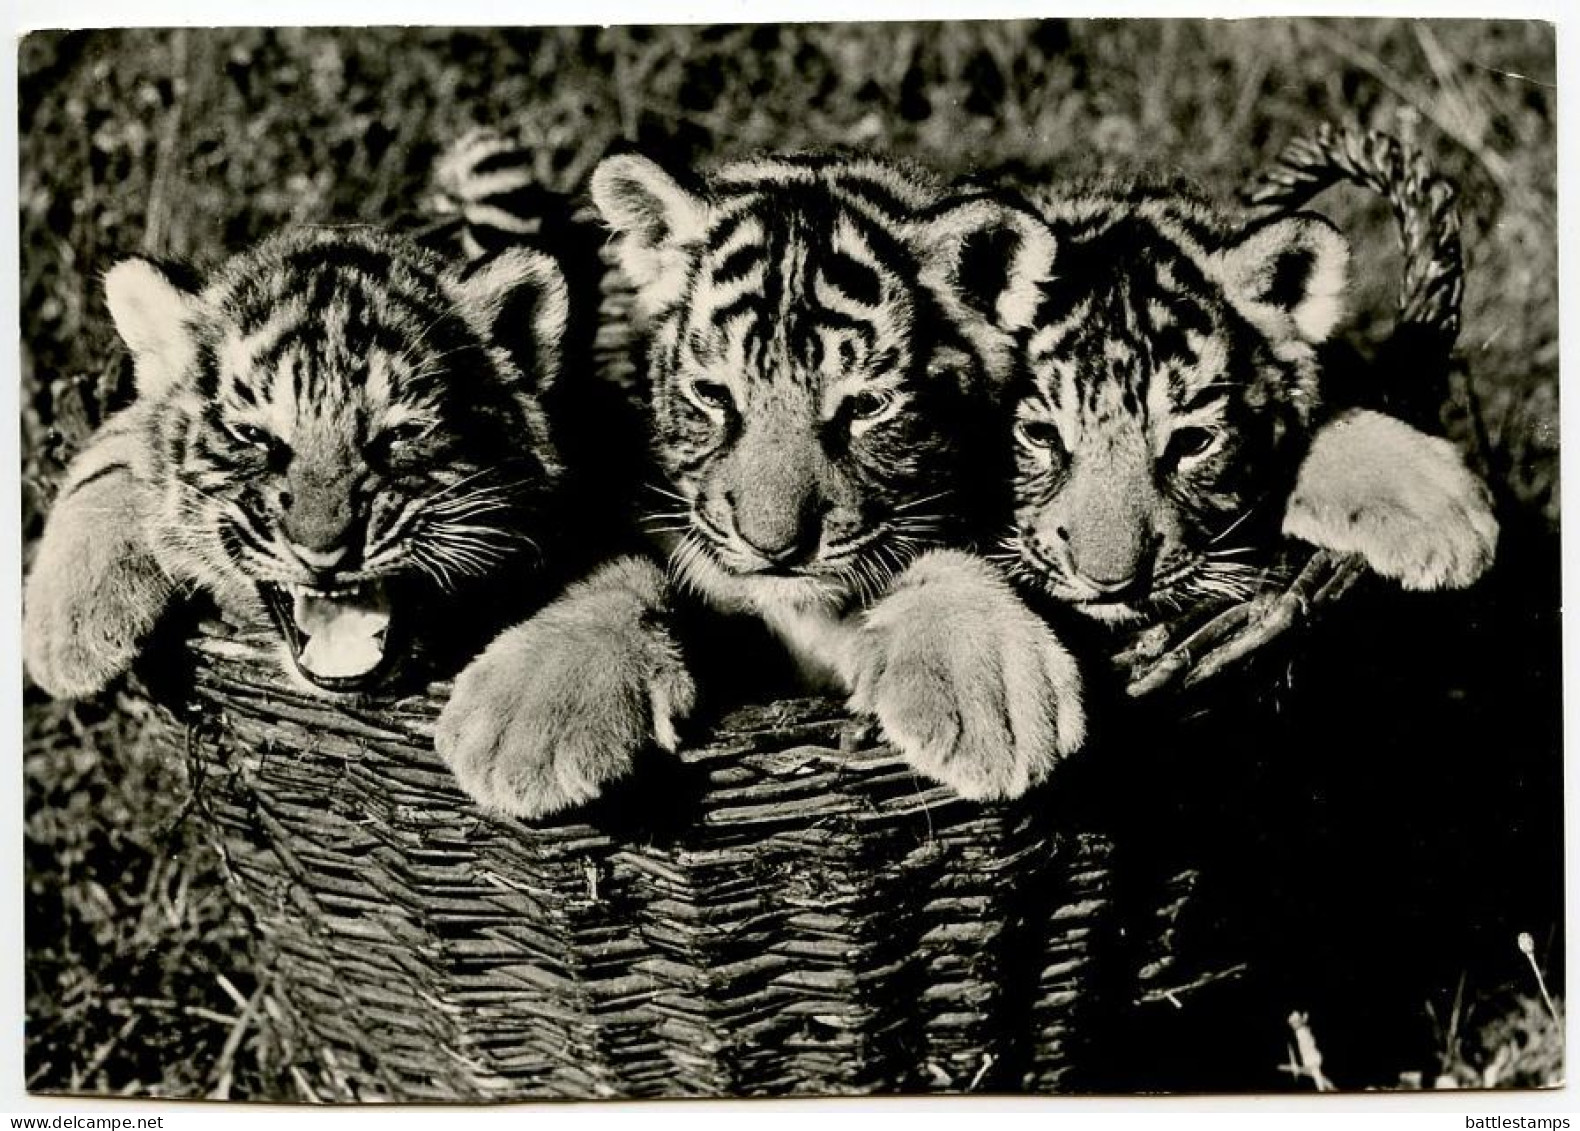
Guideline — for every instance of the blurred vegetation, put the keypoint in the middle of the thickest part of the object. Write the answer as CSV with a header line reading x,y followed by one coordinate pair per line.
x,y
190,144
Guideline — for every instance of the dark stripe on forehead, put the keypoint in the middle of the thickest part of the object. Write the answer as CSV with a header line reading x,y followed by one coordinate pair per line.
x,y
338,257
351,368
257,299
326,288
775,250
1164,320
729,223
1111,348
252,301
738,264
1169,343
373,319
752,305
852,278
1060,301
877,195
796,224
824,318
1190,315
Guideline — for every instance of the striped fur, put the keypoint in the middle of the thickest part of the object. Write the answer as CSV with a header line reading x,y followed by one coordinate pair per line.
x,y
493,190
1170,376
1171,389
820,388
330,427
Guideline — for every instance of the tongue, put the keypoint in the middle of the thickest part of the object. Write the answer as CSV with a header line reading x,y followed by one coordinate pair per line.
x,y
345,635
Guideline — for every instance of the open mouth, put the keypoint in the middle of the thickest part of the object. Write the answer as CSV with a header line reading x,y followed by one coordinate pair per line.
x,y
339,639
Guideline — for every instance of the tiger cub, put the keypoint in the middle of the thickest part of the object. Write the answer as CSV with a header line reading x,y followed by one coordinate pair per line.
x,y
329,433
823,401
1172,418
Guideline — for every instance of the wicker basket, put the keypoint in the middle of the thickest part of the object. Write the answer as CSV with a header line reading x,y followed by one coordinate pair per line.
x,y
820,921
787,909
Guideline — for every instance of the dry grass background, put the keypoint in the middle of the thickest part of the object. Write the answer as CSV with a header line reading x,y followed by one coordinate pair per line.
x,y
190,144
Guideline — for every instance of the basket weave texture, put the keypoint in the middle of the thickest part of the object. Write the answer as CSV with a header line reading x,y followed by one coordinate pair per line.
x,y
822,921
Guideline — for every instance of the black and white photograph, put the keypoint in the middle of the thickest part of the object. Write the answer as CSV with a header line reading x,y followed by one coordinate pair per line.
x,y
719,561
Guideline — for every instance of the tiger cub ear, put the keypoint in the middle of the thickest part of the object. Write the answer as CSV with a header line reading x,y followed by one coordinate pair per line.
x,y
1297,266
991,255
154,316
655,219
518,300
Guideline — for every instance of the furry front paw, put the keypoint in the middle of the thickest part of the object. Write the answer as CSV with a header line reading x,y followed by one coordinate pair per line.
x,y
1404,501
94,593
970,685
559,707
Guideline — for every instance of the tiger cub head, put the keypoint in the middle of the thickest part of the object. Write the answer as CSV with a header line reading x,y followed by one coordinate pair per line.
x,y
817,378
339,430
1170,375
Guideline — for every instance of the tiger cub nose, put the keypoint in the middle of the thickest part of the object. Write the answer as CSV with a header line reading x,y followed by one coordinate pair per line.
x,y
787,549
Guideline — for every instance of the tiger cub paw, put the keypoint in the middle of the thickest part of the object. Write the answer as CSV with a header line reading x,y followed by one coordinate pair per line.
x,y
558,707
1404,501
970,685
94,593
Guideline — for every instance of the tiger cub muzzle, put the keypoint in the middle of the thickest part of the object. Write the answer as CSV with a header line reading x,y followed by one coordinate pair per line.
x,y
1105,539
335,618
777,505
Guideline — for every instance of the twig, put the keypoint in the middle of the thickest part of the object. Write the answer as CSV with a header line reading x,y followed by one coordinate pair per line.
x,y
102,1053
987,1062
1171,994
231,991
226,1065
1528,948
165,1005
300,1079
1513,75
155,236
1305,1059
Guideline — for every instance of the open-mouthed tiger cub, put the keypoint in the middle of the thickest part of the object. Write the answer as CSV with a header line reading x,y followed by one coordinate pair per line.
x,y
331,430
823,402
1171,418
